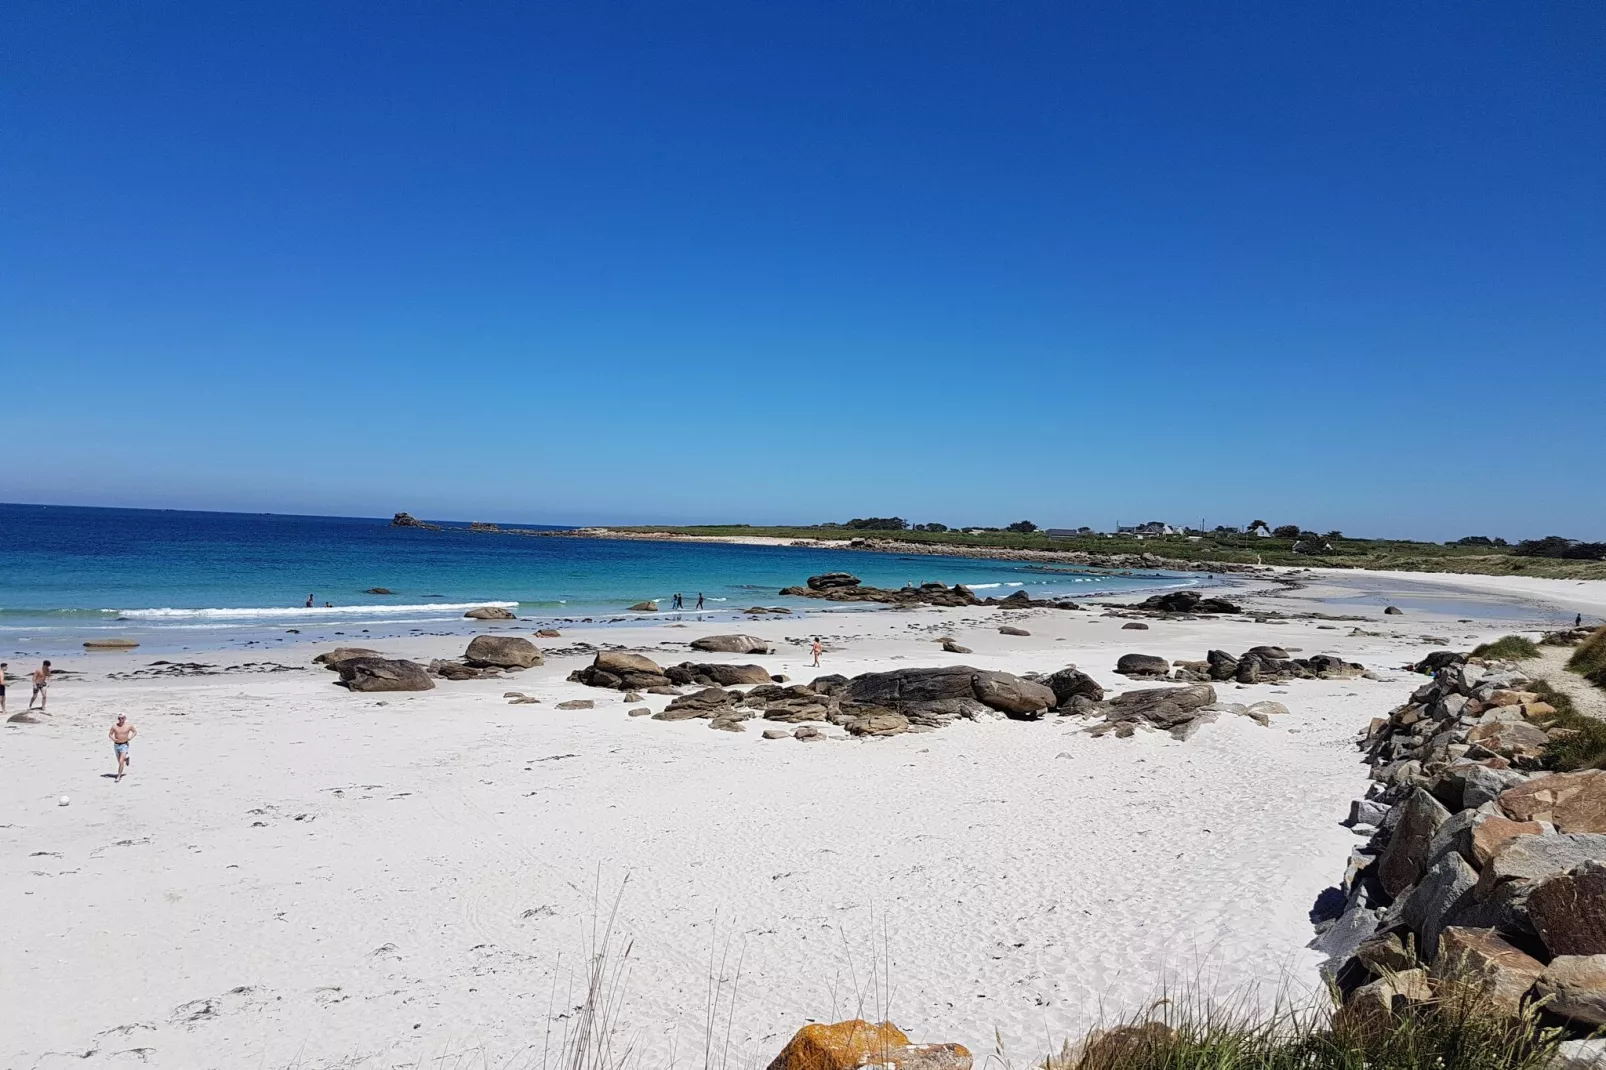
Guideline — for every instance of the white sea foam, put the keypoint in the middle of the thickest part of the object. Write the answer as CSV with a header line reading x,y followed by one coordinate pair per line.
x,y
281,612
982,586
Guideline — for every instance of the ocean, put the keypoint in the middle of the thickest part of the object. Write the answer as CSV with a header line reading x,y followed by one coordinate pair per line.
x,y
176,580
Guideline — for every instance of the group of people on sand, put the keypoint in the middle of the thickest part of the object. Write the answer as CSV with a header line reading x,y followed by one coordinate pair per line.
x,y
678,602
41,687
121,734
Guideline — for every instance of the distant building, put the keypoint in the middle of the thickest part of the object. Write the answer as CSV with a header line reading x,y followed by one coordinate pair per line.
x,y
1153,527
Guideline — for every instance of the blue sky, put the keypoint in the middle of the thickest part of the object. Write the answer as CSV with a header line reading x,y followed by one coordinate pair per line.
x,y
1336,264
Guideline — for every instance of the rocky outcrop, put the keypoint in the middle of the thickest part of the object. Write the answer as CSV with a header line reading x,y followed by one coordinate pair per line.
x,y
706,675
333,659
405,520
731,644
644,607
621,671
1187,602
490,613
936,697
384,674
1481,863
833,581
502,652
931,594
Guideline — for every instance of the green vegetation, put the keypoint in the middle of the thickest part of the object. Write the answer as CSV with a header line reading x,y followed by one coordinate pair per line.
x,y
1581,741
1225,545
1456,1030
1510,648
1589,660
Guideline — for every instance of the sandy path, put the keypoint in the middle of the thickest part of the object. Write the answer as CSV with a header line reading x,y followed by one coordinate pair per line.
x,y
1551,665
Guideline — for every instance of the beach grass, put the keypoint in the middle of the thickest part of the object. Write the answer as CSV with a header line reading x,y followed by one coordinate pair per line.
x,y
1581,741
1507,648
1457,1030
1589,659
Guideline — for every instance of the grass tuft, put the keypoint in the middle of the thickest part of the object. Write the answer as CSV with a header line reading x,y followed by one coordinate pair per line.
x,y
1458,1029
1589,660
1580,742
1509,648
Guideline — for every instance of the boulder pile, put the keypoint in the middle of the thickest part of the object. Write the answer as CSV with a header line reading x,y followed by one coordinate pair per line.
x,y
1186,602
1482,866
857,1044
623,671
842,587
1258,665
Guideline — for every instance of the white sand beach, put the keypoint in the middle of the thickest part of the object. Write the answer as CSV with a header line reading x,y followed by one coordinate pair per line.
x,y
294,875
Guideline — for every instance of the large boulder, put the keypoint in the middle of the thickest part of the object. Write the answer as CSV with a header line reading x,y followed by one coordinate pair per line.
x,y
1429,906
1162,707
1569,910
1575,986
857,1044
708,702
723,675
1010,695
333,659
731,644
1406,857
490,613
1498,970
1510,739
1525,861
1070,682
878,723
384,674
1573,802
1223,666
1142,665
644,607
831,581
621,671
502,652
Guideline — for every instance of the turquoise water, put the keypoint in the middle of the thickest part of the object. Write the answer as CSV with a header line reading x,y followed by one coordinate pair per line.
x,y
176,580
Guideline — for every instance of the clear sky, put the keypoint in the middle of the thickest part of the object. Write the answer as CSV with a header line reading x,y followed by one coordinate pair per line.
x,y
1340,264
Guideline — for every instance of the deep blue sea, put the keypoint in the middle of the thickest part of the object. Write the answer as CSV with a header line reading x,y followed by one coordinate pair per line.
x,y
175,579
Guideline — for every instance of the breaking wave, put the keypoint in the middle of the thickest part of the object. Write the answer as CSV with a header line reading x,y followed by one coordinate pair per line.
x,y
301,612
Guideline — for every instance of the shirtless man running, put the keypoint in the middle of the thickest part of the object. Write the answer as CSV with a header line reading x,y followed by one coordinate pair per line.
x,y
120,735
41,681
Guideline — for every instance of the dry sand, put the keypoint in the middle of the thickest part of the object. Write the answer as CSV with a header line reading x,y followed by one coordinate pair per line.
x,y
298,876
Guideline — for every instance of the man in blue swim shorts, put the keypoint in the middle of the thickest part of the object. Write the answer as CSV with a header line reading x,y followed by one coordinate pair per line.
x,y
121,734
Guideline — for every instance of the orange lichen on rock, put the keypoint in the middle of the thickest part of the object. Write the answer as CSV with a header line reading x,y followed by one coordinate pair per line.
x,y
855,1044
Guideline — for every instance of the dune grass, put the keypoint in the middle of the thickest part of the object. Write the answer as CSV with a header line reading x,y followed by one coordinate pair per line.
x,y
1589,659
1507,648
1581,743
1456,1031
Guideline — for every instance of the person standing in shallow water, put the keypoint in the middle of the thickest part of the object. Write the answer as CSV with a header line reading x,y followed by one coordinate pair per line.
x,y
699,600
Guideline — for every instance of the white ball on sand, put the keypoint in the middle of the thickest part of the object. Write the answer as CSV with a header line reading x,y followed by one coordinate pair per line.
x,y
63,801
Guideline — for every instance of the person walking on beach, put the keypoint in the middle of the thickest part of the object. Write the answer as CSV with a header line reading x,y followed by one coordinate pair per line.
x,y
41,681
675,602
309,601
699,600
121,734
2,689
816,650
